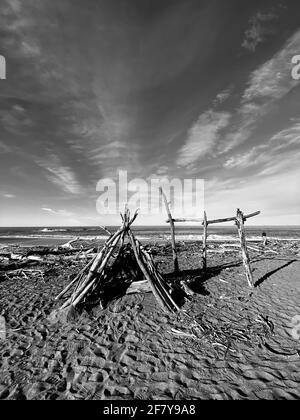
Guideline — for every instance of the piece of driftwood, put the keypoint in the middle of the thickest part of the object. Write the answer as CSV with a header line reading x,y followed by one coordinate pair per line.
x,y
271,251
204,242
172,227
68,245
155,281
56,251
16,266
185,287
215,251
106,230
231,219
245,256
142,286
187,219
212,222
68,287
238,246
35,258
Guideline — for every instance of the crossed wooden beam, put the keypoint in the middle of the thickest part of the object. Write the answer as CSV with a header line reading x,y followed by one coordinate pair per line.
x,y
211,222
239,220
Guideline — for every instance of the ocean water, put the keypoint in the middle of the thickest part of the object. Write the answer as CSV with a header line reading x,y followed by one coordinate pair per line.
x,y
33,236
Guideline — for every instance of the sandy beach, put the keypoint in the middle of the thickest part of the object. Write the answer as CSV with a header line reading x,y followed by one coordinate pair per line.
x,y
132,349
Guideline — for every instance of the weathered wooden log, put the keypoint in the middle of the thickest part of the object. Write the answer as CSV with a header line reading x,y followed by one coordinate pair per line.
x,y
188,219
245,256
172,227
204,242
68,245
16,266
211,222
231,219
238,246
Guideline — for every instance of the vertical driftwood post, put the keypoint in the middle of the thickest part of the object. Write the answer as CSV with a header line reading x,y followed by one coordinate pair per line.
x,y
172,227
204,240
246,260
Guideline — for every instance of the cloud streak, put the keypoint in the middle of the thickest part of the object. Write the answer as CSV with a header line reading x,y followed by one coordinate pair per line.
x,y
203,136
267,85
59,175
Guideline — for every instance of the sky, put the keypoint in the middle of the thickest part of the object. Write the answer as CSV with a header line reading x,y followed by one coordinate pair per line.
x,y
188,89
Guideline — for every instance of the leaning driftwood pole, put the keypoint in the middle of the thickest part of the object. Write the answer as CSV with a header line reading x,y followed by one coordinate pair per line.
x,y
246,260
204,240
68,287
144,270
95,270
172,227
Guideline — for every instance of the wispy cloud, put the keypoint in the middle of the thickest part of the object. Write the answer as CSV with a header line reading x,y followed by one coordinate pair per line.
x,y
287,137
279,152
16,120
266,85
60,175
9,196
223,96
62,213
272,80
203,136
4,148
244,160
259,29
113,150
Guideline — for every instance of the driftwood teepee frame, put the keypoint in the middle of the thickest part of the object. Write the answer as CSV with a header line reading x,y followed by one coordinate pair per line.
x,y
239,220
92,277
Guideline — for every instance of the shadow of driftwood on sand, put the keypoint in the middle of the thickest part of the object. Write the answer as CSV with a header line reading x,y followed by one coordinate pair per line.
x,y
266,276
198,277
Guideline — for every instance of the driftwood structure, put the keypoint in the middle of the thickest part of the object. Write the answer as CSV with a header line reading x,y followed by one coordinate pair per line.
x,y
239,220
119,264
